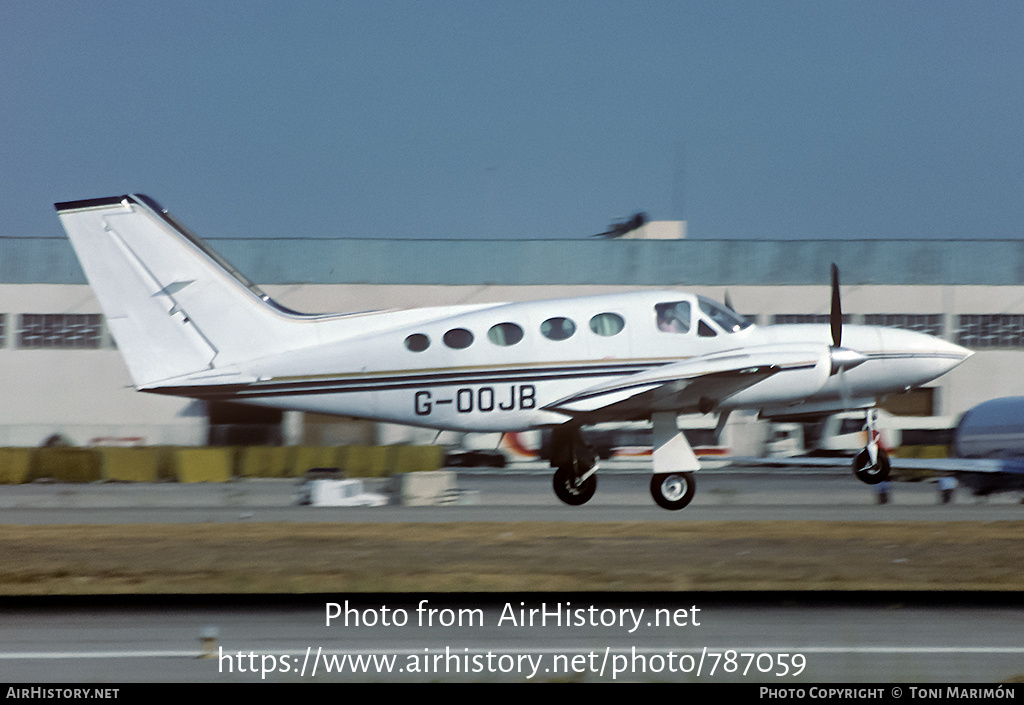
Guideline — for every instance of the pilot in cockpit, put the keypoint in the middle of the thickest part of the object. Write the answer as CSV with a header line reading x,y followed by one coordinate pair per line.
x,y
673,317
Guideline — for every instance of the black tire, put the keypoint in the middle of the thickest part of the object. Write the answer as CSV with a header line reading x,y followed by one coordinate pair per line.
x,y
871,474
673,490
567,490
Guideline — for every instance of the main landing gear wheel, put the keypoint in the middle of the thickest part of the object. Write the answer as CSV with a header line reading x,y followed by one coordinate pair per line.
x,y
570,490
673,490
871,474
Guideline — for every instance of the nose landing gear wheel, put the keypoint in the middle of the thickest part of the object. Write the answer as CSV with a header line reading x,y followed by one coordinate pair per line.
x,y
570,490
673,490
868,473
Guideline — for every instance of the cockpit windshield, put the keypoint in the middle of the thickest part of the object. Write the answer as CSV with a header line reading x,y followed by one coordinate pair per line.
x,y
728,320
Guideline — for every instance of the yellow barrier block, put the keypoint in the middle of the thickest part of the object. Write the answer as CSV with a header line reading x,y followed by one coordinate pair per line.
x,y
203,464
341,456
308,457
251,462
416,458
367,461
264,461
934,452
66,464
15,464
167,463
129,464
926,452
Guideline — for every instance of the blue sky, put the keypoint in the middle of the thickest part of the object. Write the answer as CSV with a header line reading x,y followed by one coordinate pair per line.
x,y
519,119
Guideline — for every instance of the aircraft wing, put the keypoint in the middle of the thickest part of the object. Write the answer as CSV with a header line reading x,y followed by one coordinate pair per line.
x,y
699,383
984,476
980,466
960,465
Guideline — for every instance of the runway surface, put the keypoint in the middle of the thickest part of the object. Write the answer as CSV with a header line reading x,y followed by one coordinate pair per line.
x,y
512,495
679,638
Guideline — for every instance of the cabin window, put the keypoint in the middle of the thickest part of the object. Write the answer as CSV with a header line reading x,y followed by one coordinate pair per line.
x,y
557,328
705,331
726,319
505,334
417,342
607,324
673,317
458,338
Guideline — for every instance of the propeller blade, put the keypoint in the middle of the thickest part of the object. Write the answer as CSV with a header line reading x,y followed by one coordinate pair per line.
x,y
842,358
728,301
836,315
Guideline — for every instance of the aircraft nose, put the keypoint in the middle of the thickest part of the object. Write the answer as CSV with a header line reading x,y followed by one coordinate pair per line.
x,y
955,351
955,354
942,354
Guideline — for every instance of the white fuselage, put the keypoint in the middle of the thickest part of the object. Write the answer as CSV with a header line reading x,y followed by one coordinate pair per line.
x,y
497,367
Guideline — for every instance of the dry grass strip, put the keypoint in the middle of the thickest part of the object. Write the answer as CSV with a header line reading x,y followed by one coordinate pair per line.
x,y
509,556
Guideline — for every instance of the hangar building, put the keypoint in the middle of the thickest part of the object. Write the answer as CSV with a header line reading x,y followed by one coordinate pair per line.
x,y
61,374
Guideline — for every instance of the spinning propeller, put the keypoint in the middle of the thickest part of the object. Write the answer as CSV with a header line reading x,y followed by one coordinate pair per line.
x,y
836,315
842,358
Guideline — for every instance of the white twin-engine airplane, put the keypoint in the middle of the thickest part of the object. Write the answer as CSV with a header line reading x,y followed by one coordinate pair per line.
x,y
189,324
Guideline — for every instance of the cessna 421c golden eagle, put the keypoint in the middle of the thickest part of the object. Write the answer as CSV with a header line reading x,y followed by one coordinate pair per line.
x,y
189,324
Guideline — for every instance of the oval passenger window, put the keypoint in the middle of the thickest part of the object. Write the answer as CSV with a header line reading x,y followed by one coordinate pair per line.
x,y
607,324
557,328
417,342
505,334
458,338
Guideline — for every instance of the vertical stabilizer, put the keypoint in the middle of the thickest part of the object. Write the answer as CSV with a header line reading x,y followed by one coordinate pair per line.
x,y
174,307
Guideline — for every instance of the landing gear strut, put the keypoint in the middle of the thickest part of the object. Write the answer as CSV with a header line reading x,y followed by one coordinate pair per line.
x,y
673,484
575,479
871,465
871,473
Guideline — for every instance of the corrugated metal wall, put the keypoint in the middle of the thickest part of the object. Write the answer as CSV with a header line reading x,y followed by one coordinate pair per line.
x,y
567,262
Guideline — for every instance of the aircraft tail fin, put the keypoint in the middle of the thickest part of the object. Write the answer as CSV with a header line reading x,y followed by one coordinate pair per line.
x,y
174,306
